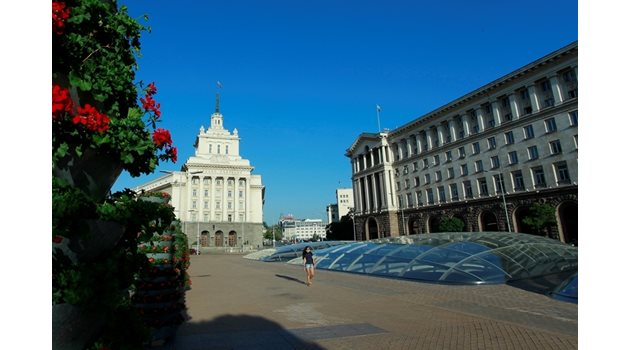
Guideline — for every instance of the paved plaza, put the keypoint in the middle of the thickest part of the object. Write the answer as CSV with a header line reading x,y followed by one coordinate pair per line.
x,y
236,303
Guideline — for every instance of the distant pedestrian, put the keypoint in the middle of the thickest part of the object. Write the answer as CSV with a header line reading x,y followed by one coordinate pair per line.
x,y
308,261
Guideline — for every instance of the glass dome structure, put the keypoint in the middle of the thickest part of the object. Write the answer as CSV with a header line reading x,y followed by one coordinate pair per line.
x,y
288,252
530,262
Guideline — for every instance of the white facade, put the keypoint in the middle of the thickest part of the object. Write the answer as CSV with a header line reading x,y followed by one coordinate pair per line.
x,y
520,129
345,201
303,230
216,195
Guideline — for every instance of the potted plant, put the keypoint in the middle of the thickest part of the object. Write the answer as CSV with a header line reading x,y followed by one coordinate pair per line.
x,y
100,124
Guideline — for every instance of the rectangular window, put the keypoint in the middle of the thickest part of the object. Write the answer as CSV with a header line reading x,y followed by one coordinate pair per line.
x,y
194,192
528,132
492,143
415,166
494,162
430,199
425,163
479,166
539,177
196,181
438,176
397,186
194,204
441,194
555,147
406,183
475,148
532,152
229,193
483,186
229,205
217,205
205,204
449,156
573,118
416,181
562,173
509,138
517,179
549,102
454,193
409,200
464,169
205,193
513,157
462,152
436,160
419,198
550,125
427,179
206,181
498,183
468,191
240,194
450,173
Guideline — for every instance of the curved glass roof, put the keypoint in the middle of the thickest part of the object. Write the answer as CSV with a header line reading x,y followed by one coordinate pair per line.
x,y
458,258
292,251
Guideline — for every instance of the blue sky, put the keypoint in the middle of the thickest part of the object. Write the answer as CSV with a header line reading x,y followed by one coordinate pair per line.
x,y
301,80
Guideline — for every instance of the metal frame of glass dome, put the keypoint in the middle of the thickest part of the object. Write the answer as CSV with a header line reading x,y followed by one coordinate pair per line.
x,y
531,262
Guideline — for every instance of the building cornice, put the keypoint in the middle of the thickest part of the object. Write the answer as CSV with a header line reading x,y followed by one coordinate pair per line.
x,y
488,88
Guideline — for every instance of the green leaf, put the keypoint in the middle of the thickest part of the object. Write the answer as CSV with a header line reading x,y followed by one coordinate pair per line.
x,y
82,84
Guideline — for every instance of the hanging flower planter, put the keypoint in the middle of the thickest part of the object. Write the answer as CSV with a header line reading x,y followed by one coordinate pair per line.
x,y
93,173
100,239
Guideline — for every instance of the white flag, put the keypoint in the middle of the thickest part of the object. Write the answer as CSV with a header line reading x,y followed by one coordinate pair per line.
x,y
219,85
378,108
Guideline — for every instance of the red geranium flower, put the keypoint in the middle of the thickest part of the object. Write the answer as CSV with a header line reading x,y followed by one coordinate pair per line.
x,y
91,118
61,102
162,137
59,15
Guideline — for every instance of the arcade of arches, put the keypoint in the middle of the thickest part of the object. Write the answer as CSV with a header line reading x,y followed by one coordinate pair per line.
x,y
488,217
219,239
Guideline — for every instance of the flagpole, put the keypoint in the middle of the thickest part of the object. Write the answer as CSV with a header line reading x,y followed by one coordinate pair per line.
x,y
378,117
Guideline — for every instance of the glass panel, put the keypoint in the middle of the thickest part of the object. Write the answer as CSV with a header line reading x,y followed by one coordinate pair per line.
x,y
391,266
476,270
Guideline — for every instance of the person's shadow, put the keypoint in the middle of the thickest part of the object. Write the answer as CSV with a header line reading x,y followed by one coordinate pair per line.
x,y
235,332
291,279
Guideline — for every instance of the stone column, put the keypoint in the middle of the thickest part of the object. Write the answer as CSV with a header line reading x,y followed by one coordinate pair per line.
x,y
429,137
496,113
441,134
453,131
478,113
514,107
465,123
556,89
533,96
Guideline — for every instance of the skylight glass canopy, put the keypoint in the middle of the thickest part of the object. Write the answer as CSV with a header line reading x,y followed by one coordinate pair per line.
x,y
459,258
288,252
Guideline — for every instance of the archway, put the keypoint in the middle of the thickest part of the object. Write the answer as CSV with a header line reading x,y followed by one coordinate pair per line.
x,y
434,224
415,226
488,222
463,220
232,239
568,219
204,241
519,214
218,239
372,228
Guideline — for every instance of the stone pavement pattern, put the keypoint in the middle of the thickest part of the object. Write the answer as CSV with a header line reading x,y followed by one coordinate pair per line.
x,y
237,303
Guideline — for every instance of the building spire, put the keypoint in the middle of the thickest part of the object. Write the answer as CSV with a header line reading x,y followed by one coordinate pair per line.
x,y
216,108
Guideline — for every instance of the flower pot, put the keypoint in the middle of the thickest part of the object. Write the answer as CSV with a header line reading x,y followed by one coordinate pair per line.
x,y
93,173
102,237
73,328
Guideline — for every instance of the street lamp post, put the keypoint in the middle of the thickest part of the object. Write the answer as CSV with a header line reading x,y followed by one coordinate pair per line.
x,y
354,231
507,217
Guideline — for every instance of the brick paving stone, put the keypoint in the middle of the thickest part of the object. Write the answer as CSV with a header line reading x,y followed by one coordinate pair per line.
x,y
237,303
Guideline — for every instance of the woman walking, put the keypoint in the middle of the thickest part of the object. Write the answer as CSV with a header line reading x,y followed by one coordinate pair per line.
x,y
308,261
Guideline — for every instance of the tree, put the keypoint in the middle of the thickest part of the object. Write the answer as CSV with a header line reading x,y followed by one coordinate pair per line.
x,y
541,217
272,231
340,231
451,224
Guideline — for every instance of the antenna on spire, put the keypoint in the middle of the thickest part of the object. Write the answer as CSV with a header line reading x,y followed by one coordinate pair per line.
x,y
219,86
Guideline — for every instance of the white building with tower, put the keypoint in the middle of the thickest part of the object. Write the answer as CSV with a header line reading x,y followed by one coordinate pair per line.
x,y
216,195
